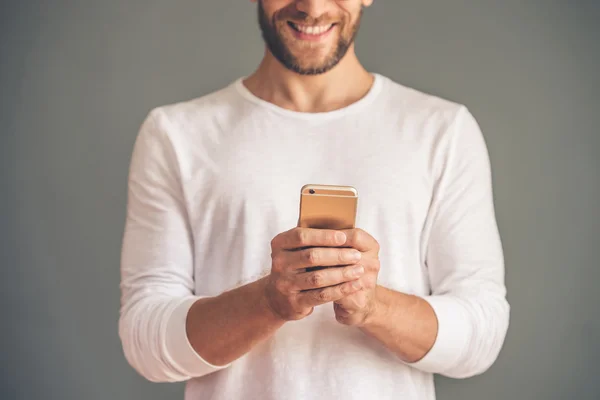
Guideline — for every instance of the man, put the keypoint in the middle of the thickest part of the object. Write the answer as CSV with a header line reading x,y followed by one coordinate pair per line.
x,y
214,284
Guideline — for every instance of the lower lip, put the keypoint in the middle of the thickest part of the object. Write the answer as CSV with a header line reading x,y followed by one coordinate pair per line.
x,y
311,38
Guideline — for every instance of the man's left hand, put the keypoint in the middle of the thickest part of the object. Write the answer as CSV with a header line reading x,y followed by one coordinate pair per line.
x,y
355,309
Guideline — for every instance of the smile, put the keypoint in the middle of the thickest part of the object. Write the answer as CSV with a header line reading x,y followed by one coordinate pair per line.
x,y
314,30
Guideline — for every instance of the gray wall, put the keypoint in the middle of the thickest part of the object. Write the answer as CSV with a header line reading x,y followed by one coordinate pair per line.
x,y
77,77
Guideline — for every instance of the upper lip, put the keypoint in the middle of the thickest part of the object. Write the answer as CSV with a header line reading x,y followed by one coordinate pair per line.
x,y
304,25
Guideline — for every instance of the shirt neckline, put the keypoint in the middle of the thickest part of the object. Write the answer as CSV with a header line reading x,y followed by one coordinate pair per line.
x,y
357,105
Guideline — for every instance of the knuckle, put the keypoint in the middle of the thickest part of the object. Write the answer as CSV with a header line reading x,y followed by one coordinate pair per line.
x,y
312,256
348,272
322,295
316,279
301,236
344,289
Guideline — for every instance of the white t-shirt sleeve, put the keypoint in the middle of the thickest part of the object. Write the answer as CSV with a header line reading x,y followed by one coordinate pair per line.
x,y
465,259
157,277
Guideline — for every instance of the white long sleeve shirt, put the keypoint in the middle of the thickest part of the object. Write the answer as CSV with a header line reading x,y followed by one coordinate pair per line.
x,y
211,182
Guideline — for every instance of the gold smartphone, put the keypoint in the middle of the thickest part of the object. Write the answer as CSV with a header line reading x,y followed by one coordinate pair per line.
x,y
328,207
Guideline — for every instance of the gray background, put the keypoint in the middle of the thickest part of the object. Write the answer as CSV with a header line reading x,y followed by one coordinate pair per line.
x,y
77,78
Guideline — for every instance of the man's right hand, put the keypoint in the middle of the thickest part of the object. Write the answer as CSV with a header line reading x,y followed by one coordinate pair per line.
x,y
290,291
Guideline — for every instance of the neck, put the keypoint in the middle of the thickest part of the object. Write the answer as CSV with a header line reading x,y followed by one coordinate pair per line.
x,y
341,86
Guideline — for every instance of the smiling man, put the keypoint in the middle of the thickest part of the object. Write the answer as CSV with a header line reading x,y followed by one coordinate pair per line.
x,y
304,43
216,285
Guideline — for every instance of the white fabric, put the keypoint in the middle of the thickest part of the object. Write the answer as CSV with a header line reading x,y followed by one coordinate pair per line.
x,y
214,179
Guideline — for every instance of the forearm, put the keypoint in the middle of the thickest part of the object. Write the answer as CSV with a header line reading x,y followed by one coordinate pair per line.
x,y
456,335
405,324
221,329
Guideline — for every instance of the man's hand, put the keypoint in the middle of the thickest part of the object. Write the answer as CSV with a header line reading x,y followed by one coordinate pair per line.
x,y
290,291
356,308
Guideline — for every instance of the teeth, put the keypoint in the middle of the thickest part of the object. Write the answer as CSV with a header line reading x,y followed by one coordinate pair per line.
x,y
312,30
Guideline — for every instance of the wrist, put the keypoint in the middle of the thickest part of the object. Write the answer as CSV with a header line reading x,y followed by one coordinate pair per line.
x,y
378,311
264,305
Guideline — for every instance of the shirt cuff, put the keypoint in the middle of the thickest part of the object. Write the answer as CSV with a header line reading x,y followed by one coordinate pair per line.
x,y
179,350
453,336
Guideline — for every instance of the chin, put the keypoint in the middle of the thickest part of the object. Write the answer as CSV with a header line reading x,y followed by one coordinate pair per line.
x,y
313,68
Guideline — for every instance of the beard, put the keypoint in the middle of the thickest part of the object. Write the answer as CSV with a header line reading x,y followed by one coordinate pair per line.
x,y
279,45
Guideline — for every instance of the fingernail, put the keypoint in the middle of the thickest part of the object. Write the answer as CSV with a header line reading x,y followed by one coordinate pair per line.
x,y
340,237
355,255
358,270
356,285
